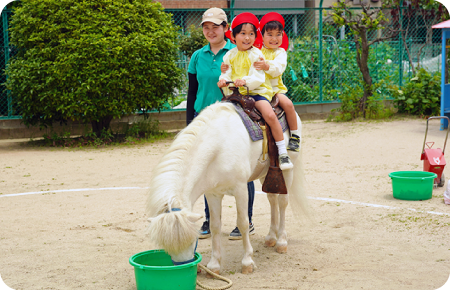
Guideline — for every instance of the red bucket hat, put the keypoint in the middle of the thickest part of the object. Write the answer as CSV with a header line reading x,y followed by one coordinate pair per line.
x,y
274,16
246,17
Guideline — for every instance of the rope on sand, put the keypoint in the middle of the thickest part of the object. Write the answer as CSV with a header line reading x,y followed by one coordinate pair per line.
x,y
230,283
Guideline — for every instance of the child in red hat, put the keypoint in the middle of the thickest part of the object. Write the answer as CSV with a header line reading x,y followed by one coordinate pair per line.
x,y
241,70
274,50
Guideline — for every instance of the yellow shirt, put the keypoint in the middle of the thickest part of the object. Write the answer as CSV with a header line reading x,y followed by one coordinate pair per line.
x,y
277,61
241,67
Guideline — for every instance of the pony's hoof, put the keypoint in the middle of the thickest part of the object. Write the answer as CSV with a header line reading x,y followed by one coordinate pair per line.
x,y
281,249
247,269
271,243
210,276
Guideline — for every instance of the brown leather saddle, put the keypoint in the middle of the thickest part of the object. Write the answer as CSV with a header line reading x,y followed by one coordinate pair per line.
x,y
248,104
274,180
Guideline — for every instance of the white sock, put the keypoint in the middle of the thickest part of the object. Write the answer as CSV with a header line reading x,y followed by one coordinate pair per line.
x,y
281,147
295,132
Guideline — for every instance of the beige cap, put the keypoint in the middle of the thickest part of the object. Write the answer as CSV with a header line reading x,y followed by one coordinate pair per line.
x,y
214,15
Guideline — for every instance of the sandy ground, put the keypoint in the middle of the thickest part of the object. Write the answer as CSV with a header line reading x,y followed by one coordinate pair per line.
x,y
61,239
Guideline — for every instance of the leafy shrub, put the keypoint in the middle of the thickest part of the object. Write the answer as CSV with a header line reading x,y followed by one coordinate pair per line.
x,y
421,95
91,60
350,98
144,128
192,41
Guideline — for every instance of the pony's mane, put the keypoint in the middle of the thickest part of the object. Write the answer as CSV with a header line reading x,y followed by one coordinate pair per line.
x,y
173,231
165,184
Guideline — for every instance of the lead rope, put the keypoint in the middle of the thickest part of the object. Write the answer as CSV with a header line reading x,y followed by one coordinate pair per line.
x,y
230,283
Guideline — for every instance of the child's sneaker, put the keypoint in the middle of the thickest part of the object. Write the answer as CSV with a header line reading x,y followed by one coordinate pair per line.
x,y
285,162
204,231
236,234
294,143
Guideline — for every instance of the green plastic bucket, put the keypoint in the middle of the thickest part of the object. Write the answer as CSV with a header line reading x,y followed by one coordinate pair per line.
x,y
412,185
154,270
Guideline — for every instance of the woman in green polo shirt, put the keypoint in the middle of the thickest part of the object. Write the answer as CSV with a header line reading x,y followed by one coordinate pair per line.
x,y
204,72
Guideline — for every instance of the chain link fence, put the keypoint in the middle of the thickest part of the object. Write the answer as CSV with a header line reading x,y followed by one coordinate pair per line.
x,y
321,57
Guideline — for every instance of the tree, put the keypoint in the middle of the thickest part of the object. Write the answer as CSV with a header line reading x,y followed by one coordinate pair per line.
x,y
192,41
417,15
13,4
91,60
361,24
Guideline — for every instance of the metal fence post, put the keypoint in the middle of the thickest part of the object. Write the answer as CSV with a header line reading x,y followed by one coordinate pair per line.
x,y
400,50
320,51
231,10
6,51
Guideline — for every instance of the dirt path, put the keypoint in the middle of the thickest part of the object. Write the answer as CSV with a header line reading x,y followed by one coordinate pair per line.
x,y
62,239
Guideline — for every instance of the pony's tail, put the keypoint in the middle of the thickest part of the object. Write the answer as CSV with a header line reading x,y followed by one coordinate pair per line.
x,y
297,193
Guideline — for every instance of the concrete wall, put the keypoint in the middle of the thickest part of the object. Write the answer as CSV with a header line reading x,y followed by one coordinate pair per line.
x,y
175,120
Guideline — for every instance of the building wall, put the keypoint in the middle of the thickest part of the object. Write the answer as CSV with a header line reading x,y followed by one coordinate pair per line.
x,y
200,4
274,4
355,3
193,4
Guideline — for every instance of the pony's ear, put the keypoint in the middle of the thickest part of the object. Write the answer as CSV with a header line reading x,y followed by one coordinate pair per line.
x,y
194,217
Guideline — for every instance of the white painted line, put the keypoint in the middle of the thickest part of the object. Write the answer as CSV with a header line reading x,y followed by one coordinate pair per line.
x,y
369,204
73,190
257,192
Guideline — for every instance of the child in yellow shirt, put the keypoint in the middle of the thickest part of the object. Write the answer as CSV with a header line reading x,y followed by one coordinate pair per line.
x,y
274,50
241,70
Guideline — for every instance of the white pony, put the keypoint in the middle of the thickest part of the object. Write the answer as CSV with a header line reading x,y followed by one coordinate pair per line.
x,y
215,156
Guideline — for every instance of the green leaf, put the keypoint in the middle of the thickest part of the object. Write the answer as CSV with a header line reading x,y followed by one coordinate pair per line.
x,y
91,59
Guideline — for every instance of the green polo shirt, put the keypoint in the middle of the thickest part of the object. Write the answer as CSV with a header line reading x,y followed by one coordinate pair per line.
x,y
206,65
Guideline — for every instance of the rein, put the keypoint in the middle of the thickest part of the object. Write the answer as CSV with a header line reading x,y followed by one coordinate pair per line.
x,y
195,249
188,261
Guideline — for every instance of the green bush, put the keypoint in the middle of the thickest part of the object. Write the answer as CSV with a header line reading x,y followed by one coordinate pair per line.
x,y
421,95
350,97
192,41
91,60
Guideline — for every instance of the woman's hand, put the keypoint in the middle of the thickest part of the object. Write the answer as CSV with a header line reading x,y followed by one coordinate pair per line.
x,y
239,83
222,83
224,67
261,65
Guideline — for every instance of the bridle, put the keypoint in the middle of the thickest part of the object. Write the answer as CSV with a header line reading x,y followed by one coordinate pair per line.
x,y
196,243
